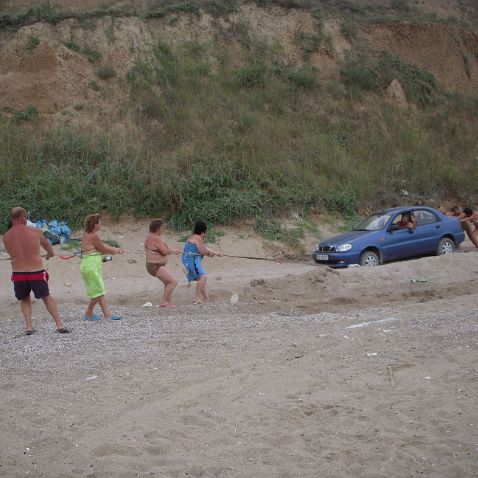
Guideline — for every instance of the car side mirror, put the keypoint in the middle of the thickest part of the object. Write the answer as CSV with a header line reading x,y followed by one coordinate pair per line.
x,y
393,227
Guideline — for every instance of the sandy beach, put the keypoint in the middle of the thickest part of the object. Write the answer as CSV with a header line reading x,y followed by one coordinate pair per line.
x,y
313,372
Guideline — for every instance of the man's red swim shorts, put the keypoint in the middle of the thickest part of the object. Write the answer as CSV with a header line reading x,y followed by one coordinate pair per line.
x,y
26,282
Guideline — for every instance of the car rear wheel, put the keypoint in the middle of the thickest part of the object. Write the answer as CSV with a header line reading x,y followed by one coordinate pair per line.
x,y
445,246
369,259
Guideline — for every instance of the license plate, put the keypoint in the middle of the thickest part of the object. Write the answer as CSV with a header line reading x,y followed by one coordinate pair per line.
x,y
322,257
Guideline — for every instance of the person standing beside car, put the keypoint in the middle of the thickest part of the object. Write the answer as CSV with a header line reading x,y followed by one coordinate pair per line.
x,y
469,222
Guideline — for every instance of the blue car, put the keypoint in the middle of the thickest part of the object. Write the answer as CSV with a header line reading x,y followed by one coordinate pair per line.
x,y
391,234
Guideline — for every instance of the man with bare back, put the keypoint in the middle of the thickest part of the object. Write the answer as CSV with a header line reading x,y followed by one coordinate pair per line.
x,y
23,245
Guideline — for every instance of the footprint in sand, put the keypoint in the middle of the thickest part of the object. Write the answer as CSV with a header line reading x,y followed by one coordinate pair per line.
x,y
106,450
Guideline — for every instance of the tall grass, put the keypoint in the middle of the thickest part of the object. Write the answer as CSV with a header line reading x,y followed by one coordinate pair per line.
x,y
395,10
361,72
218,144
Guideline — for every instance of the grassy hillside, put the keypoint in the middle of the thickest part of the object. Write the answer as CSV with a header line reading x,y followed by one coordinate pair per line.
x,y
234,129
15,13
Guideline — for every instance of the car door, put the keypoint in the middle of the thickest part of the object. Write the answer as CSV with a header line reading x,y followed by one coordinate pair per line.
x,y
429,230
399,243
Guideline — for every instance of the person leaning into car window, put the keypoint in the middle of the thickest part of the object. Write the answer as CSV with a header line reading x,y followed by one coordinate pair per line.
x,y
407,220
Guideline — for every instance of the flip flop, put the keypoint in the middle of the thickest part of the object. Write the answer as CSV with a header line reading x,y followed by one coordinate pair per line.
x,y
63,330
30,332
115,317
197,302
94,318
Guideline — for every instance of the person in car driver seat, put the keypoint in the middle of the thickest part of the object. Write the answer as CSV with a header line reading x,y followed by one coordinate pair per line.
x,y
408,220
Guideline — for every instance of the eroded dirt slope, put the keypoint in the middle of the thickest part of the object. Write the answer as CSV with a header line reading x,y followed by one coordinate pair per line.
x,y
57,80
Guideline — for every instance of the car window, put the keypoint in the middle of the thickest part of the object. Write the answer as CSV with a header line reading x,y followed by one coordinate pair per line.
x,y
397,219
425,217
375,222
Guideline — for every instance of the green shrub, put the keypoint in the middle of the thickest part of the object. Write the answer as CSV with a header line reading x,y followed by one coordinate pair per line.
x,y
8,20
305,78
32,42
106,72
73,46
180,7
272,229
221,7
151,108
30,113
212,235
168,61
358,73
342,201
142,76
251,75
94,85
185,7
319,17
420,85
309,42
216,193
461,102
309,224
46,12
400,5
348,28
292,3
92,55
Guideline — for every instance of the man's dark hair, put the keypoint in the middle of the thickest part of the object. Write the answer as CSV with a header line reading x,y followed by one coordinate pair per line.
x,y
199,227
467,211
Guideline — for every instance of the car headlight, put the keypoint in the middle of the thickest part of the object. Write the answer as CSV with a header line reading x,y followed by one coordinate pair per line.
x,y
344,248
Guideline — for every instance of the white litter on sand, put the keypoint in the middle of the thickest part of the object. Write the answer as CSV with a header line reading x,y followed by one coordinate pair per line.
x,y
364,324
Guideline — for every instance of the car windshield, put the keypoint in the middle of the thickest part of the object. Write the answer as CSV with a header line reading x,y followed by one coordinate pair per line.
x,y
375,222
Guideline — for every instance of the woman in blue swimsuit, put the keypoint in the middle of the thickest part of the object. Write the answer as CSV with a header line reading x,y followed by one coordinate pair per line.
x,y
194,251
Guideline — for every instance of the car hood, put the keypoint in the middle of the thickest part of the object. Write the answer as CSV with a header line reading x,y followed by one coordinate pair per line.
x,y
345,237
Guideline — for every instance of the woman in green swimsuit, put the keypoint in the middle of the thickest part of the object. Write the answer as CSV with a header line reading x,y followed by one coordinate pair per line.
x,y
91,269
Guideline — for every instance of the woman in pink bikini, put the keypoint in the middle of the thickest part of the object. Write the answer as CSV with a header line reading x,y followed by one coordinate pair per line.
x,y
157,253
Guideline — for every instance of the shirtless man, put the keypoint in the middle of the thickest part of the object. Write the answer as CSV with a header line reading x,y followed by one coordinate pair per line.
x,y
23,245
454,212
469,219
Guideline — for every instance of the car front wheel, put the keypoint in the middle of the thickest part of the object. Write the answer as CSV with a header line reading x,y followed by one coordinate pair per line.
x,y
445,246
369,259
